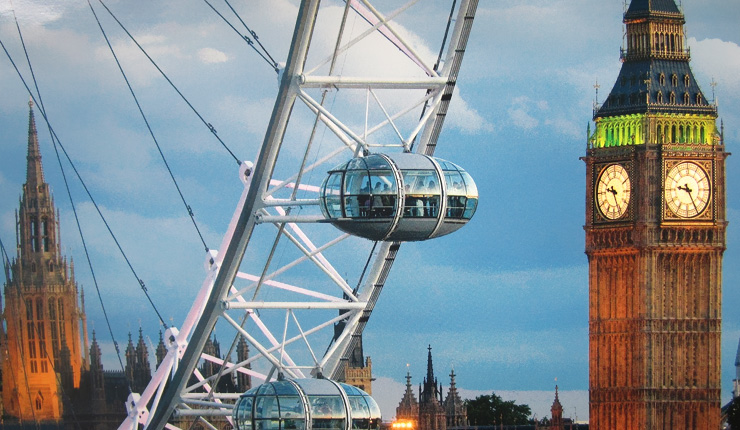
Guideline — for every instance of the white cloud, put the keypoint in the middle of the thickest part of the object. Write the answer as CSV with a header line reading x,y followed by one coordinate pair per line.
x,y
465,118
33,12
212,56
719,60
520,113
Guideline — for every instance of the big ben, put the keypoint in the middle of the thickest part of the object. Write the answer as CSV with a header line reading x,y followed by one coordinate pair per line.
x,y
655,235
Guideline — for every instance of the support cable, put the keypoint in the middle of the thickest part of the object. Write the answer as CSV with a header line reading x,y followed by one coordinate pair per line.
x,y
39,334
254,35
66,184
249,41
151,133
206,123
87,190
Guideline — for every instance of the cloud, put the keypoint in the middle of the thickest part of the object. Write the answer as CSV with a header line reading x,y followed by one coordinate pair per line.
x,y
465,118
212,56
719,60
33,12
520,113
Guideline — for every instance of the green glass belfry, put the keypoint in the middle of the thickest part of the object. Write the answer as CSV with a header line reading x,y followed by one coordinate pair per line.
x,y
656,99
655,236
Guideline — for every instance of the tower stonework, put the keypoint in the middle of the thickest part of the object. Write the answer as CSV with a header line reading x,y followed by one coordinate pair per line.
x,y
42,355
431,409
655,236
358,370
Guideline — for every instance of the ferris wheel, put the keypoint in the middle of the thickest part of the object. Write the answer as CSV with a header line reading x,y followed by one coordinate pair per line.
x,y
345,174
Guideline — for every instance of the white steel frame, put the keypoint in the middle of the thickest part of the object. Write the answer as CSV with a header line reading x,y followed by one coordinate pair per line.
x,y
234,296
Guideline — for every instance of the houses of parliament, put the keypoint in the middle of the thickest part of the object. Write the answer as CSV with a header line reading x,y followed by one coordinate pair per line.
x,y
52,377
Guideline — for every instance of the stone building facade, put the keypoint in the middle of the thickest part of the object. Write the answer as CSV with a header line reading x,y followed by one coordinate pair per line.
x,y
655,236
432,411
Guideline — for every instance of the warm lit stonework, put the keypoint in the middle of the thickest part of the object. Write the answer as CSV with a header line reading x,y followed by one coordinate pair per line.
x,y
42,352
655,241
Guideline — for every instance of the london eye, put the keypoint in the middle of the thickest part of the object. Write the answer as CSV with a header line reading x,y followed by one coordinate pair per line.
x,y
344,175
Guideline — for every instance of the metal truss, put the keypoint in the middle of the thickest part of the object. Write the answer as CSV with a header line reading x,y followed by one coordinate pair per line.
x,y
280,279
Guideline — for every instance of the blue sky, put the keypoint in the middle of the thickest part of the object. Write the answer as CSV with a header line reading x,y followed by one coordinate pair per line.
x,y
504,300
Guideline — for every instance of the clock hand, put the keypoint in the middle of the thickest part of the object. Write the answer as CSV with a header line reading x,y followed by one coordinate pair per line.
x,y
691,196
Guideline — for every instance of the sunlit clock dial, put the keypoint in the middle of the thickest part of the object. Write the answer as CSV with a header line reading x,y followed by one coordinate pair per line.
x,y
613,191
687,189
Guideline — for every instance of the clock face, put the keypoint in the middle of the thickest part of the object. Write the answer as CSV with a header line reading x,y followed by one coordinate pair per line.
x,y
687,189
613,191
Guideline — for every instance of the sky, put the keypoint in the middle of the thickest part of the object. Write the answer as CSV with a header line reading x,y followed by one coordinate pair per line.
x,y
503,301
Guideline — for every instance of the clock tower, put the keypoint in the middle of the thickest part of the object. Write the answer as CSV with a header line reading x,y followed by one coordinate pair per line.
x,y
655,235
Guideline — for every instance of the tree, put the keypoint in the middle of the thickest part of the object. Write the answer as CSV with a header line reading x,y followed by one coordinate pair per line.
x,y
733,414
492,410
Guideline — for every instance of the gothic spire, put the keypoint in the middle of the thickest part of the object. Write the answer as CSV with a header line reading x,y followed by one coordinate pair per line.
x,y
95,355
161,351
430,367
34,170
408,408
455,410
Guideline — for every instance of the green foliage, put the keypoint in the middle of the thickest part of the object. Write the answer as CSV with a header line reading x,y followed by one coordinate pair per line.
x,y
492,410
733,415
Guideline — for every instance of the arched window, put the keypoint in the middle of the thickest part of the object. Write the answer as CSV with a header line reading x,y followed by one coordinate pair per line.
x,y
31,332
686,98
34,234
698,99
686,80
39,403
60,317
661,79
45,234
672,98
659,97
674,80
53,325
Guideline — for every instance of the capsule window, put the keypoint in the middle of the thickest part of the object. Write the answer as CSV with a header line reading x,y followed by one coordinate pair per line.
x,y
267,407
244,414
360,413
422,193
327,412
470,188
291,413
332,196
470,207
357,193
267,413
383,200
456,197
